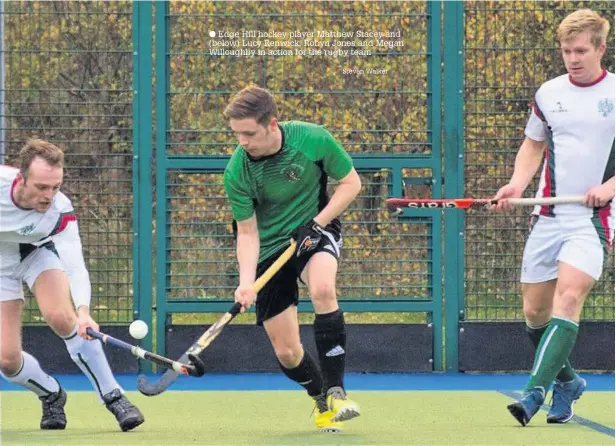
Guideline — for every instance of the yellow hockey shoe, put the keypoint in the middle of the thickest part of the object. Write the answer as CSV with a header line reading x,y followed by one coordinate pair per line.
x,y
343,408
323,417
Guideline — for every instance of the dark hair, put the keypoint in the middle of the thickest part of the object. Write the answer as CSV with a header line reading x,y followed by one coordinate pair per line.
x,y
252,102
42,149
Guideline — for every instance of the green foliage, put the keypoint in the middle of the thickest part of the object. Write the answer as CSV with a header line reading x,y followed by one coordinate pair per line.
x,y
510,50
69,77
369,114
69,80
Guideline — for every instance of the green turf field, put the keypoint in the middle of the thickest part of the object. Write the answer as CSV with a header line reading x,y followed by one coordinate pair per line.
x,y
283,418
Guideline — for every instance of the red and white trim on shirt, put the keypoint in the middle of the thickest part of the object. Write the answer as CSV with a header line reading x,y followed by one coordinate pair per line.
x,y
589,84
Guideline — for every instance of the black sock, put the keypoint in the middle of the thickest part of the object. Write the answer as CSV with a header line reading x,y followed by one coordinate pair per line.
x,y
306,374
535,333
330,337
567,373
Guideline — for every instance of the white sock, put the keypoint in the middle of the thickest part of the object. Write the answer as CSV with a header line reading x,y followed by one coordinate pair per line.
x,y
32,377
90,358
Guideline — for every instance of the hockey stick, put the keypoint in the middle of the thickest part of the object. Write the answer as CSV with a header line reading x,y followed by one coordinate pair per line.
x,y
167,378
397,204
194,369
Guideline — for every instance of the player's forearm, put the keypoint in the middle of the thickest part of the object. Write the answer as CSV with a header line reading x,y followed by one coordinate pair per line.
x,y
78,276
343,196
527,162
81,288
340,200
247,256
68,244
83,310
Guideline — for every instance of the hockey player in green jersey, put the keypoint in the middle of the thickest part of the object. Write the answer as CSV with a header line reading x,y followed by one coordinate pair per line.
x,y
276,183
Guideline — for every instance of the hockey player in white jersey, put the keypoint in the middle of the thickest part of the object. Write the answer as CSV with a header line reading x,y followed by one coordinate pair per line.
x,y
40,245
571,128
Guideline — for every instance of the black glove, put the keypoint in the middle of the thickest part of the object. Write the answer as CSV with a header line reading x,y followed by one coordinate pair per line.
x,y
308,237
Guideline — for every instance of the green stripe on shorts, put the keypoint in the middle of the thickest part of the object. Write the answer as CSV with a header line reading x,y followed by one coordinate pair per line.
x,y
601,230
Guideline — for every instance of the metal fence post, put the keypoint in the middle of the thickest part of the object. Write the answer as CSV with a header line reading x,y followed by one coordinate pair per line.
x,y
142,162
454,168
162,127
433,44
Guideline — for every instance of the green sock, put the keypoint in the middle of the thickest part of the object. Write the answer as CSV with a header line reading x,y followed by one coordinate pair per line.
x,y
554,349
567,373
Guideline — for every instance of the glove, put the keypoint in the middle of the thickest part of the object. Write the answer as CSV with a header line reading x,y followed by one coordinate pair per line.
x,y
308,237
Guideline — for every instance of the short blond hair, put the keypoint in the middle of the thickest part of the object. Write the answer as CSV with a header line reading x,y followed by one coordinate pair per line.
x,y
581,21
33,148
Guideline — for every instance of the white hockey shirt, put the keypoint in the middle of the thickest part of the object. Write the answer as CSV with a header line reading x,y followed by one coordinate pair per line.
x,y
22,230
577,123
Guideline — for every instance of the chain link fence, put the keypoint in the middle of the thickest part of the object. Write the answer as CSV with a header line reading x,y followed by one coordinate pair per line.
x,y
510,50
68,74
371,115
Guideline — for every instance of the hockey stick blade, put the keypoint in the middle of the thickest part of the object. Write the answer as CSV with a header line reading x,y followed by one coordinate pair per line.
x,y
156,388
192,354
167,378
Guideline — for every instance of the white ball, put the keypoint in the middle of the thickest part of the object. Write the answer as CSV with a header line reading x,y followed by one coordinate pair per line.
x,y
138,329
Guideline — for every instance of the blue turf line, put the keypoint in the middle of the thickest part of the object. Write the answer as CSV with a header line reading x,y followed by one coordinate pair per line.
x,y
580,420
353,381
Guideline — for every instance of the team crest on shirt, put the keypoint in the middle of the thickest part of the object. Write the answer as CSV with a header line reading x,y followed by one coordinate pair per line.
x,y
293,172
606,106
26,229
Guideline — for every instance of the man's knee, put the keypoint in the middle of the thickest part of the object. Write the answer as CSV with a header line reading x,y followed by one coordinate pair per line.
x,y
52,292
536,315
323,292
10,336
571,291
61,320
289,355
537,302
283,332
568,302
10,361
